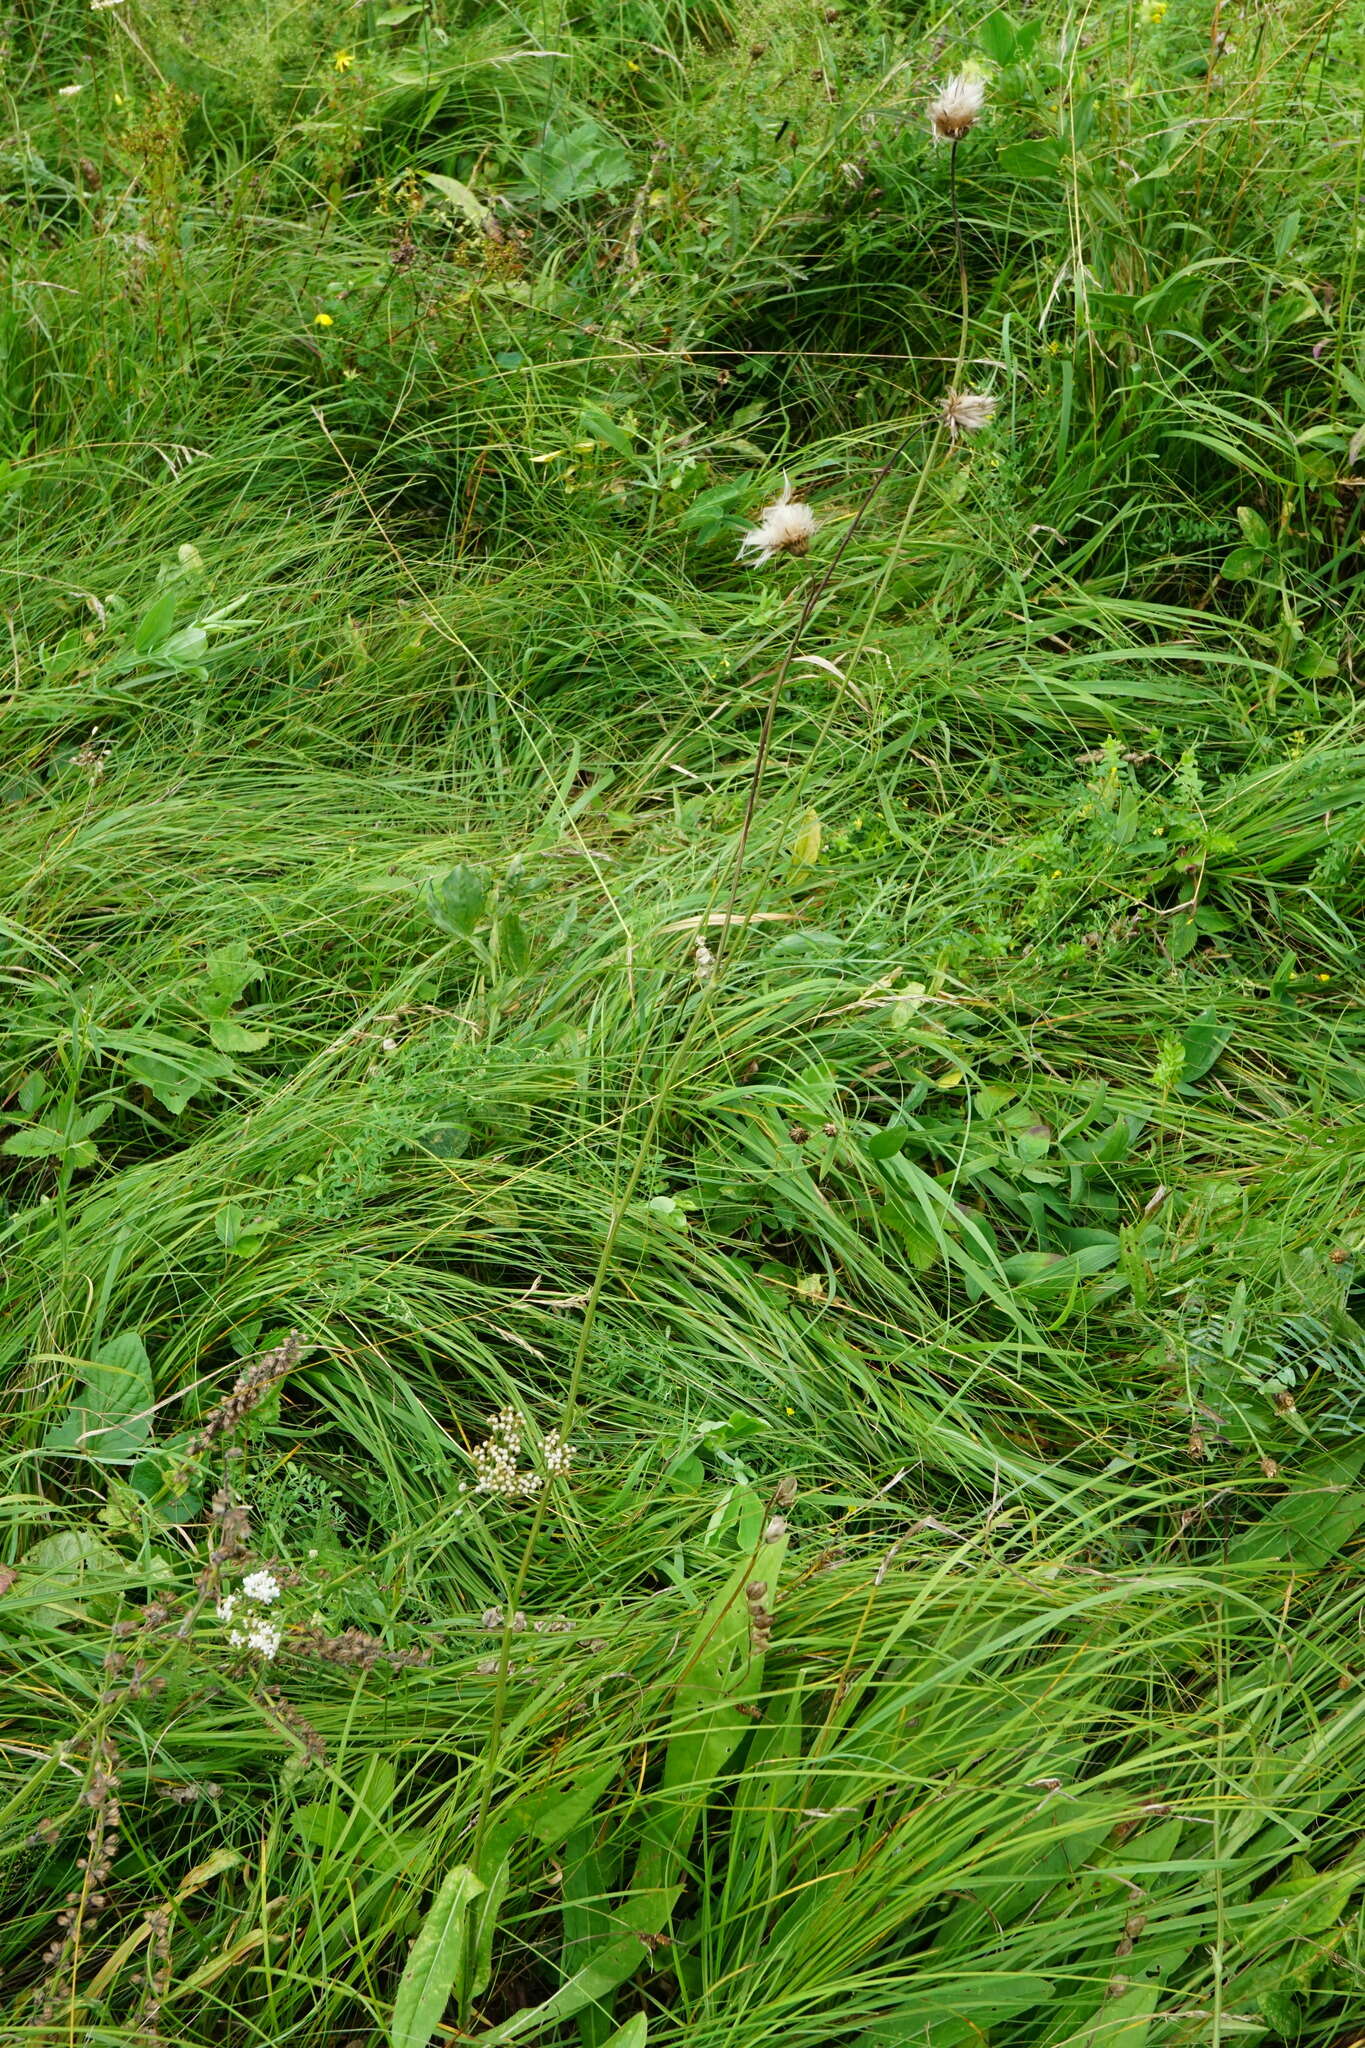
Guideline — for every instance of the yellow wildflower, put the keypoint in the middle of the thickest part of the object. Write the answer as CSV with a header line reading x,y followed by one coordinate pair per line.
x,y
343,60
322,320
1152,13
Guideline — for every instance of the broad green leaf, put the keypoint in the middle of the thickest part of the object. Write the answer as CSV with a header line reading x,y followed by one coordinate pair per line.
x,y
460,197
230,1036
154,1477
722,1669
88,1120
230,970
39,1141
1202,1043
455,900
1317,1518
1032,160
1058,1272
350,1824
944,2014
174,1085
605,1970
110,1418
599,426
1124,2021
633,2034
806,845
52,1573
1111,1146
1182,935
1314,663
185,649
156,622
553,1816
591,1870
32,1093
1255,532
1285,233
566,168
513,945
997,38
1242,564
434,1961
227,1224
1034,1143
485,1927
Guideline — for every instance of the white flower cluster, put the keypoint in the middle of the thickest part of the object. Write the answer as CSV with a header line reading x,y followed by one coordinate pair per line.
x,y
264,1637
259,1634
496,1460
558,1455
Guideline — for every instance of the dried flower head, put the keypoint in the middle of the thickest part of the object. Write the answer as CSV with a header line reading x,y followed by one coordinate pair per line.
x,y
958,106
249,1390
93,756
967,412
352,1647
784,528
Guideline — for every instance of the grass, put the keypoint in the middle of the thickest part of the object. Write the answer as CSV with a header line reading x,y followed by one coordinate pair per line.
x,y
868,1047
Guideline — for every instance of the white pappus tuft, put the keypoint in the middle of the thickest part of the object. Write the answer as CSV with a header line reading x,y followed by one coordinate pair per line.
x,y
784,528
958,106
967,412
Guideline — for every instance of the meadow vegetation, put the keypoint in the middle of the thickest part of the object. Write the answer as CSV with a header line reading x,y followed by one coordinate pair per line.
x,y
684,1335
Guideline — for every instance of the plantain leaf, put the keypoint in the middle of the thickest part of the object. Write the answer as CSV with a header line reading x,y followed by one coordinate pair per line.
x,y
434,1961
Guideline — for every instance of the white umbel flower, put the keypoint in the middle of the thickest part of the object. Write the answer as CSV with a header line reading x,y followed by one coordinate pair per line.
x,y
958,106
784,528
262,1586
967,412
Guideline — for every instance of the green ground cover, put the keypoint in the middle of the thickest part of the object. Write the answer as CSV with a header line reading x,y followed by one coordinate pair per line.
x,y
683,1328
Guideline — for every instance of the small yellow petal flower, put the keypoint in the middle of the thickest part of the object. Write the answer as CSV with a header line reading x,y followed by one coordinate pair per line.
x,y
1152,13
322,320
343,60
